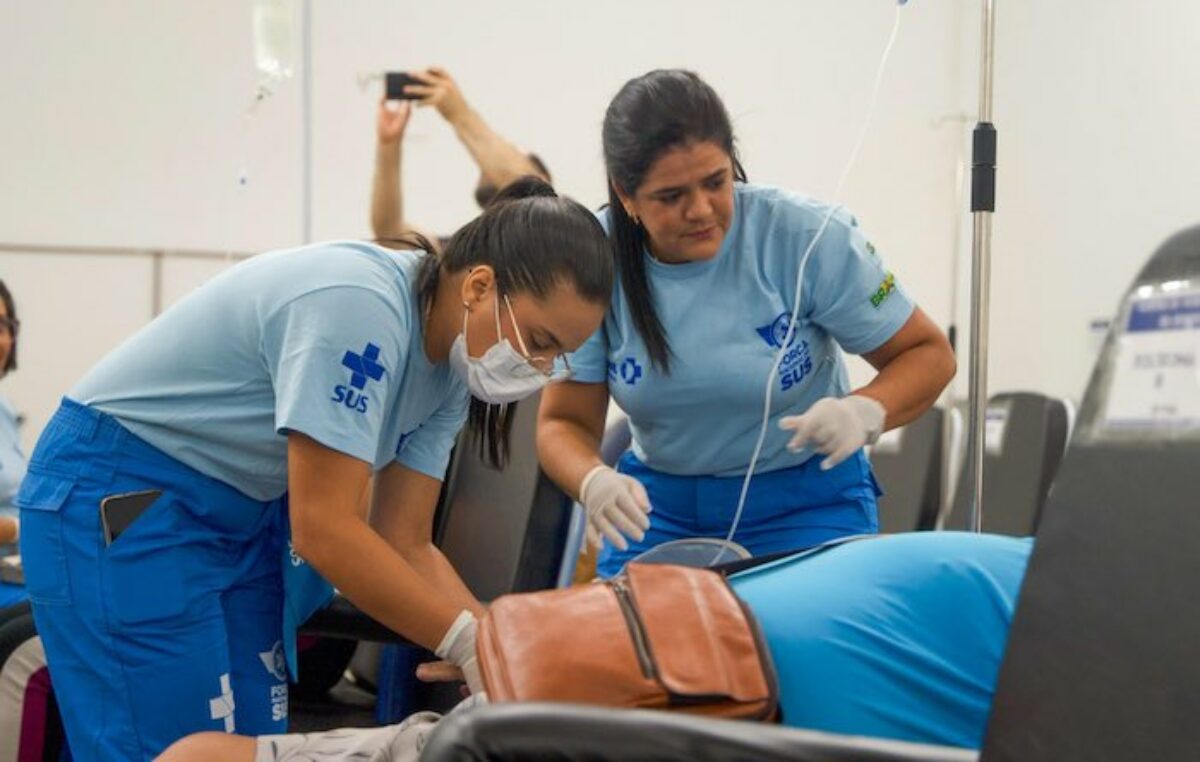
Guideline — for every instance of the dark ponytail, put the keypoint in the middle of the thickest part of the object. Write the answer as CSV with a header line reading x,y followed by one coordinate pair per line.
x,y
652,114
534,240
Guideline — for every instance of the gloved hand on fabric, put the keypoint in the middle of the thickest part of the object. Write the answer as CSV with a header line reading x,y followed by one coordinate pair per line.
x,y
616,507
458,647
836,427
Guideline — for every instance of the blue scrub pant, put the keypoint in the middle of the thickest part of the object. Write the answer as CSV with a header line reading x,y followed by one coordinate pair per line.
x,y
173,628
11,595
787,509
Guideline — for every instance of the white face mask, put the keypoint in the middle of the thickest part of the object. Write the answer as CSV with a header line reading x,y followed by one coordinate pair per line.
x,y
502,375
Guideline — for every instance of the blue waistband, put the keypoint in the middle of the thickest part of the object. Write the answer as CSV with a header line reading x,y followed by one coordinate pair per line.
x,y
801,486
86,423
81,441
856,468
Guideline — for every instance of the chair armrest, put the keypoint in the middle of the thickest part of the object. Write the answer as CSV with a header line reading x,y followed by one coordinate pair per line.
x,y
517,731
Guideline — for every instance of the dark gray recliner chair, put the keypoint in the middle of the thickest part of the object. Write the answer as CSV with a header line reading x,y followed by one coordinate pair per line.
x,y
1102,655
908,465
1030,432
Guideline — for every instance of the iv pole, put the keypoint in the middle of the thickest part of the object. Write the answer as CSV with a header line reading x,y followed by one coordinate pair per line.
x,y
983,203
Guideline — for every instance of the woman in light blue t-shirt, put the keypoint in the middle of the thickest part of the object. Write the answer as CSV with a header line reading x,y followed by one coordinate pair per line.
x,y
708,268
198,492
12,460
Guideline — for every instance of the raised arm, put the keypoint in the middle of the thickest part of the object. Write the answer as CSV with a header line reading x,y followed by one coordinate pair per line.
x,y
387,197
499,161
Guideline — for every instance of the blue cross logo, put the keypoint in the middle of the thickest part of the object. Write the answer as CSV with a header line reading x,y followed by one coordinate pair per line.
x,y
628,371
363,366
776,331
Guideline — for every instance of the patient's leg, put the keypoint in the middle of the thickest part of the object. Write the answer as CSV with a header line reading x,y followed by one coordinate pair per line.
x,y
390,743
203,747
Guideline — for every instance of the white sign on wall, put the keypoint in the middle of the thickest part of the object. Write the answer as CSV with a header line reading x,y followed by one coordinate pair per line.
x,y
1156,379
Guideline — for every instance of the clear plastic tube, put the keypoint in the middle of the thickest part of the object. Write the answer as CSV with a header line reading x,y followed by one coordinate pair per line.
x,y
783,348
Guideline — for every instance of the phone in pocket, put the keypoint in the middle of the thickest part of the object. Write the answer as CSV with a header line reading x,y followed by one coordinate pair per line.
x,y
117,512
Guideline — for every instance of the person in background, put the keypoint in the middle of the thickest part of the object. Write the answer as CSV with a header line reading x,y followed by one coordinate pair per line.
x,y
12,460
499,161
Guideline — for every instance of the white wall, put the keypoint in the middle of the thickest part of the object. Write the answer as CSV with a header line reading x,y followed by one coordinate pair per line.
x,y
1098,107
124,125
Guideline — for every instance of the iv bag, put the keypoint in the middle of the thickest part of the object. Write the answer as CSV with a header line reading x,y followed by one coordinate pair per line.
x,y
272,44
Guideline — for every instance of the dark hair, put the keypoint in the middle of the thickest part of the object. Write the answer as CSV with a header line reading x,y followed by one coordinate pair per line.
x,y
11,308
652,114
534,240
540,166
485,191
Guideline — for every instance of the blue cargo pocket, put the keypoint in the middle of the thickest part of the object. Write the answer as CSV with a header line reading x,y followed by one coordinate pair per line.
x,y
41,499
147,567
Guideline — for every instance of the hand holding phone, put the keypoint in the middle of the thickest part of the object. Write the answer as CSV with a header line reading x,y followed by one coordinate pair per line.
x,y
396,82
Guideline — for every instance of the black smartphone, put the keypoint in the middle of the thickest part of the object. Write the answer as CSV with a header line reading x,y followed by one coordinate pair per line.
x,y
117,512
396,80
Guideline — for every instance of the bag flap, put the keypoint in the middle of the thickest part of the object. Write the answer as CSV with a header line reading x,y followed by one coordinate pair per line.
x,y
562,645
699,634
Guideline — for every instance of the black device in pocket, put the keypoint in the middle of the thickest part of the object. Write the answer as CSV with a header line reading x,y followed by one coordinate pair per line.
x,y
396,80
117,512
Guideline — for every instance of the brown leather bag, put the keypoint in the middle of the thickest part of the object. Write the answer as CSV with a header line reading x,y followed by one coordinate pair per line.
x,y
657,636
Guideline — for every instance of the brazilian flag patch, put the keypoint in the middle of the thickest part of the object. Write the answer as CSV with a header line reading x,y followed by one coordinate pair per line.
x,y
884,291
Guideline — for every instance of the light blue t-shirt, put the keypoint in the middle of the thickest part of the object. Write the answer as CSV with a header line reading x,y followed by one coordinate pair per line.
x,y
325,340
12,459
725,320
899,636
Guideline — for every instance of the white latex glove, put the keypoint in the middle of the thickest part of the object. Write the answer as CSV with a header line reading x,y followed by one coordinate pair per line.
x,y
458,647
616,507
836,427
